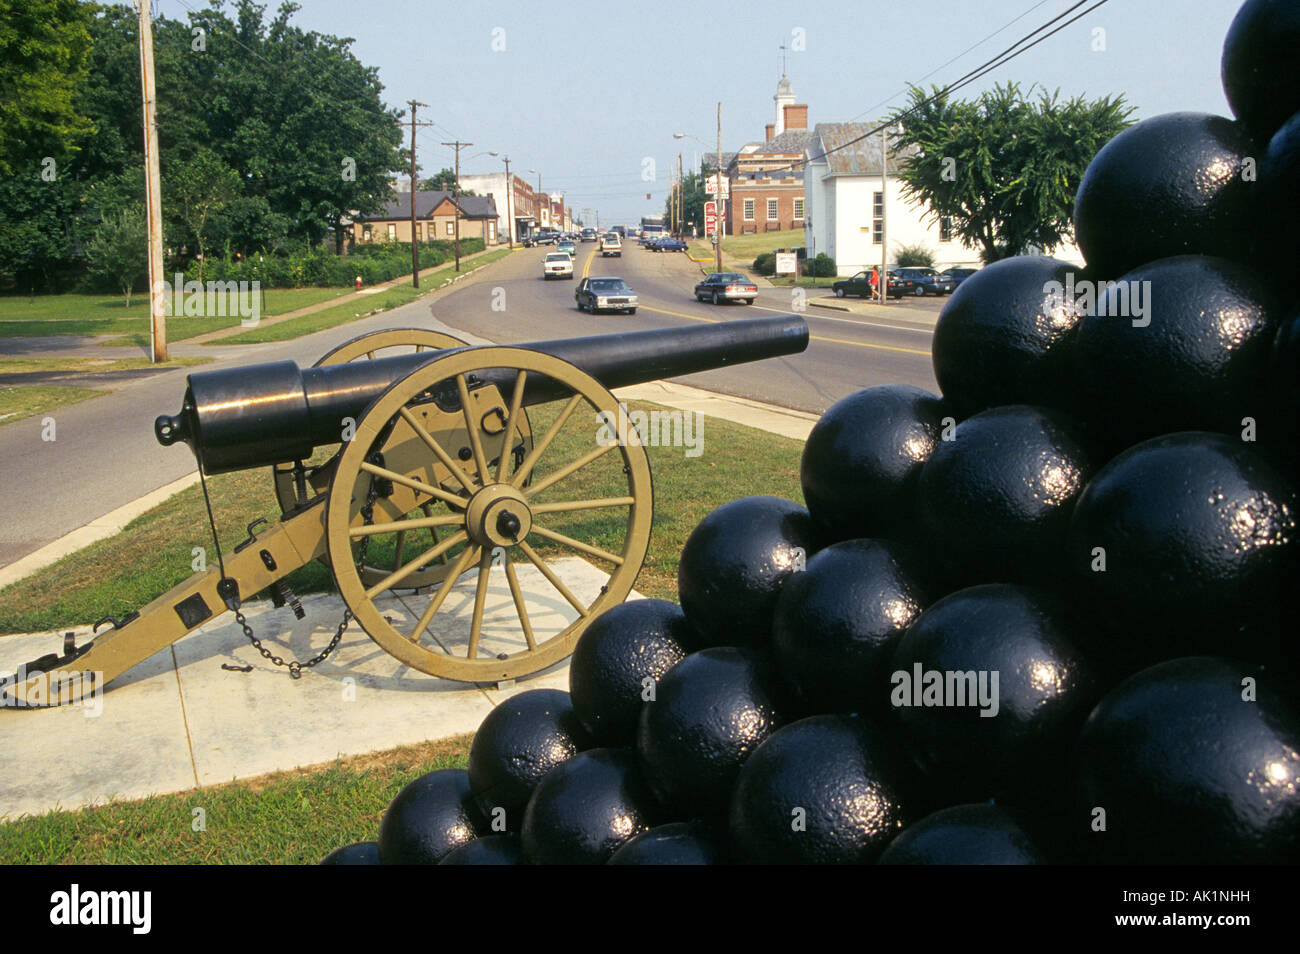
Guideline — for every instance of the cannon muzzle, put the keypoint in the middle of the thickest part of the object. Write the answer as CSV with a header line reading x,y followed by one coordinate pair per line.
x,y
277,412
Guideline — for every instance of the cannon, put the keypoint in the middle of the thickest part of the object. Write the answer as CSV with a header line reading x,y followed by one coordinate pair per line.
x,y
405,459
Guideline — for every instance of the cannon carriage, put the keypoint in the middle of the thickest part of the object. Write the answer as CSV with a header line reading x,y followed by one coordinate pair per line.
x,y
433,469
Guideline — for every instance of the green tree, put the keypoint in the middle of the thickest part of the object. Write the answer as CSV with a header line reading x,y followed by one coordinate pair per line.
x,y
117,251
199,189
1004,169
693,199
44,52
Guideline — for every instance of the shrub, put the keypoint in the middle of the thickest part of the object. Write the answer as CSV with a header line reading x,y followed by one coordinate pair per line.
x,y
765,264
823,266
914,256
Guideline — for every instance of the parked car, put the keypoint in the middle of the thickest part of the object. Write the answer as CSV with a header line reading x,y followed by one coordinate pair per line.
x,y
958,275
539,238
859,284
918,281
589,235
567,245
557,265
668,244
726,286
611,244
605,293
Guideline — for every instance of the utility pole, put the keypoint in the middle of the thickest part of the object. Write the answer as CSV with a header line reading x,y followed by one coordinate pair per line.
x,y
681,198
153,192
717,234
510,218
415,246
455,193
884,244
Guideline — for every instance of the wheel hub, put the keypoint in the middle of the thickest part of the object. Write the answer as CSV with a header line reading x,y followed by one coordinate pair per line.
x,y
498,516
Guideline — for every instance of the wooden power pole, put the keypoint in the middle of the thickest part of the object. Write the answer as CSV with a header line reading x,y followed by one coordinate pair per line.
x,y
717,232
153,192
415,245
455,192
510,219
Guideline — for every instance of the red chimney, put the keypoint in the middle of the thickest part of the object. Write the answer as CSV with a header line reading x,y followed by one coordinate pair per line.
x,y
771,128
796,116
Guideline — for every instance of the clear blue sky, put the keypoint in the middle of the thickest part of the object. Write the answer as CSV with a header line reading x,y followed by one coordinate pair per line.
x,y
583,92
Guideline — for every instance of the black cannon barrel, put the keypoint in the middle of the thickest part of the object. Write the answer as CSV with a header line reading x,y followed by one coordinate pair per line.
x,y
277,412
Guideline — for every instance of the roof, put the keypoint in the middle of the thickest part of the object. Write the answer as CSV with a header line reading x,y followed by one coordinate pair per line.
x,y
471,206
840,146
709,159
790,141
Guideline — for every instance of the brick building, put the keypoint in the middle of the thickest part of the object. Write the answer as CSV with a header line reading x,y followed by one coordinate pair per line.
x,y
436,212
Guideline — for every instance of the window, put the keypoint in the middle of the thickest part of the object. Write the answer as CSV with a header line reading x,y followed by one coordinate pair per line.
x,y
749,210
392,231
365,234
492,233
945,229
877,216
798,209
771,210
451,228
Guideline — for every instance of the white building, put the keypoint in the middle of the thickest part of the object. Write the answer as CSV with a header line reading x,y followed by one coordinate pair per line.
x,y
844,201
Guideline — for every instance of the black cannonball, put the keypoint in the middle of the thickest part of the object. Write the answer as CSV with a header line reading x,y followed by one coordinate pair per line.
x,y
733,565
837,624
501,849
1284,391
429,818
677,843
521,740
1193,761
1004,336
1196,358
862,459
357,853
585,809
828,789
982,834
1258,64
1174,184
995,501
708,714
620,650
989,687
1186,544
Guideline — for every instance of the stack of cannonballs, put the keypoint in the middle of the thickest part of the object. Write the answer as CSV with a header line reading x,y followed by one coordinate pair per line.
x,y
1046,617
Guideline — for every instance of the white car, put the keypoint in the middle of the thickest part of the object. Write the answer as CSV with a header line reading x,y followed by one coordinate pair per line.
x,y
557,265
611,244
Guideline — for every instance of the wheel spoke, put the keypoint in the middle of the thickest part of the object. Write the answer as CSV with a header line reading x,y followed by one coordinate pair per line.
x,y
408,568
556,582
539,448
397,553
520,606
480,598
414,484
507,438
472,426
568,469
429,441
565,506
401,526
466,557
578,545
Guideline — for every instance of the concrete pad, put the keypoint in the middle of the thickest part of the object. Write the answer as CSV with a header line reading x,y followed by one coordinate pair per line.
x,y
179,720
767,417
127,743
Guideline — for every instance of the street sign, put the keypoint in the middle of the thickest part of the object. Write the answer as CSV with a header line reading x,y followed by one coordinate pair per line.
x,y
711,186
710,217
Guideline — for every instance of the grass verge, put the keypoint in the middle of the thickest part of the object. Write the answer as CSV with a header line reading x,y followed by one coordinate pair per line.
x,y
352,310
295,817
17,403
91,365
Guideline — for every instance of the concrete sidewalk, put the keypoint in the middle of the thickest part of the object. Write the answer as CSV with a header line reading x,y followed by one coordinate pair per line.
x,y
922,312
179,721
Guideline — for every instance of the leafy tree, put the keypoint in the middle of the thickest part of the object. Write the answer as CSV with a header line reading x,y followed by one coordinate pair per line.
x,y
913,255
117,249
445,181
693,199
1003,168
44,47
199,189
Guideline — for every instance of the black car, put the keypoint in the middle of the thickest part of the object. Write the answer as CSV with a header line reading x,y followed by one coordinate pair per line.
x,y
918,281
605,293
859,284
726,286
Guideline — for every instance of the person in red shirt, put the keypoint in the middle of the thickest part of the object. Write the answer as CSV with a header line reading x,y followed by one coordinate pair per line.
x,y
875,284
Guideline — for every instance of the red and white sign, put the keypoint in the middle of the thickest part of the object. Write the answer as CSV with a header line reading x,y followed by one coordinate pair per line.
x,y
711,186
710,217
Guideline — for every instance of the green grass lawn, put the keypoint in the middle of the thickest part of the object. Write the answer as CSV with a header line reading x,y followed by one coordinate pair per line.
x,y
360,308
804,281
17,403
749,247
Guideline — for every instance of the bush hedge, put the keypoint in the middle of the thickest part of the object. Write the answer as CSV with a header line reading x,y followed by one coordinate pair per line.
x,y
375,263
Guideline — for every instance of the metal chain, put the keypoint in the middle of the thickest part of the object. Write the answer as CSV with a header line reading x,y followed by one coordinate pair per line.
x,y
294,666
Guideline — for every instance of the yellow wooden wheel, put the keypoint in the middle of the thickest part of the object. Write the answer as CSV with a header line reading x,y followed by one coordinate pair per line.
x,y
506,518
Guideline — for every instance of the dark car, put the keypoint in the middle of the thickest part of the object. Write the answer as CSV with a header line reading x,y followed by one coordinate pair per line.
x,y
605,293
859,284
668,244
726,286
589,235
540,238
958,275
917,281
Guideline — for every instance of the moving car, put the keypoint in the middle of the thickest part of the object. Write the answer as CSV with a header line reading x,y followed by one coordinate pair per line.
x,y
557,265
605,293
611,244
726,286
539,238
567,245
589,235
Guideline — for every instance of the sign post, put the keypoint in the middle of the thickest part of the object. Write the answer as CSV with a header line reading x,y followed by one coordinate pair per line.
x,y
710,217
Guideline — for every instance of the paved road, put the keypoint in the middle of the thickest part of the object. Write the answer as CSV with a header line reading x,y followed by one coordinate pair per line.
x,y
104,454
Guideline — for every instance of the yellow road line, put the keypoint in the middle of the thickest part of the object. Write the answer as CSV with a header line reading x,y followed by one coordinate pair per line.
x,y
586,268
856,344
